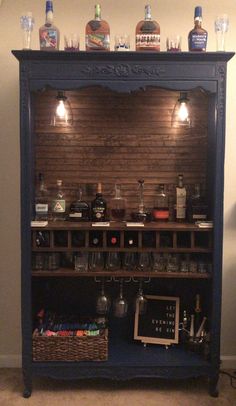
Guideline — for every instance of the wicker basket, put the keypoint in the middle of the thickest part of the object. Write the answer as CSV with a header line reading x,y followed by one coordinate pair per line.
x,y
71,348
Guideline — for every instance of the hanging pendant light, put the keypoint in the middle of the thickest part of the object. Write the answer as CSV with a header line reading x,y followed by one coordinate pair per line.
x,y
62,114
181,116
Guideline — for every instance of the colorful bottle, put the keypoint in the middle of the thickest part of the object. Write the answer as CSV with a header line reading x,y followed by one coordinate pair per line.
x,y
180,200
161,208
41,201
49,35
97,33
99,206
59,203
197,38
147,33
79,209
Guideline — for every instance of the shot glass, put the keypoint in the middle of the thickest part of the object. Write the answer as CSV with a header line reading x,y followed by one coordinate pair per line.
x,y
122,42
173,44
71,42
221,29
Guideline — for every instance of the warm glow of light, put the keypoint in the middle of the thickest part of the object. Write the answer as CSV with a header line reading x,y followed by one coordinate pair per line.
x,y
61,110
183,111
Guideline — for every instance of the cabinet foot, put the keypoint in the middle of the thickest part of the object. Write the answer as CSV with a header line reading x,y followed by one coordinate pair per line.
x,y
27,393
213,390
28,384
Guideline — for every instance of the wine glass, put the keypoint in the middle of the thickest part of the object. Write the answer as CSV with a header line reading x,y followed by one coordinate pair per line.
x,y
120,304
103,302
140,301
144,261
96,261
130,261
113,261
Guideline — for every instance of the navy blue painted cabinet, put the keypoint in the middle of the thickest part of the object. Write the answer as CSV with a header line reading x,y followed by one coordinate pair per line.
x,y
126,72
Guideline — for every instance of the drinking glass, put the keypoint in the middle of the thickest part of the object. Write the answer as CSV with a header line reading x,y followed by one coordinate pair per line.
x,y
172,263
27,25
130,261
71,42
221,28
159,262
113,261
103,302
144,261
38,262
96,261
173,44
53,261
120,304
140,300
122,42
81,261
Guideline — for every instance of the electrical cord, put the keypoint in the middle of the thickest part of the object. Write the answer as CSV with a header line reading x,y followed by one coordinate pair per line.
x,y
231,376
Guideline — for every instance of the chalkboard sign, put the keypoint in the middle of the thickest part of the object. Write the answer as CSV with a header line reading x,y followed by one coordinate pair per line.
x,y
160,323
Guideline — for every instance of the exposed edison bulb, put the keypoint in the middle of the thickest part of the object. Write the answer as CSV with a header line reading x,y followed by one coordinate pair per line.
x,y
183,111
61,110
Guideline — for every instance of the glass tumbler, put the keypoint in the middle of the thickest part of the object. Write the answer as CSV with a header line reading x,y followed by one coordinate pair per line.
x,y
81,261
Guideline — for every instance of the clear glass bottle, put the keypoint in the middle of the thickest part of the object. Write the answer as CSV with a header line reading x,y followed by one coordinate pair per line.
x,y
41,201
99,206
197,209
197,38
118,205
180,212
59,203
49,35
161,207
79,209
97,33
147,34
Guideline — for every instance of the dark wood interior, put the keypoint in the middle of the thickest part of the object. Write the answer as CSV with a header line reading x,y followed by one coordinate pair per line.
x,y
119,137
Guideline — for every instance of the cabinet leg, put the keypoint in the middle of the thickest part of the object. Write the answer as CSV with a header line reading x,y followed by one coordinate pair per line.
x,y
213,390
27,379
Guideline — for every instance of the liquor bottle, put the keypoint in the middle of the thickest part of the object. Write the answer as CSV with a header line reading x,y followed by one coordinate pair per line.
x,y
49,35
118,204
197,208
79,209
161,208
97,33
99,206
180,209
59,203
95,239
131,239
113,239
41,201
147,33
197,38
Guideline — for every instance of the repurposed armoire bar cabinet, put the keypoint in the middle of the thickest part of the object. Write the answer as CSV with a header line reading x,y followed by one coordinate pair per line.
x,y
122,131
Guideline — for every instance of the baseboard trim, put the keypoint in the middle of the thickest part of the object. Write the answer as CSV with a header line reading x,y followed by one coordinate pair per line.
x,y
10,361
228,361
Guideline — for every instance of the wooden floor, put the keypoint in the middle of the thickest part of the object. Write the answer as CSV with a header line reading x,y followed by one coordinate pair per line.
x,y
48,392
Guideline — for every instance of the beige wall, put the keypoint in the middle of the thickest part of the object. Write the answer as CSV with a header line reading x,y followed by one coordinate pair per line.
x,y
174,16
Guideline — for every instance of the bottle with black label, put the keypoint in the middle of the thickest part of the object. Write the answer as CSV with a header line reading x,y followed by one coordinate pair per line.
x,y
79,209
197,207
99,206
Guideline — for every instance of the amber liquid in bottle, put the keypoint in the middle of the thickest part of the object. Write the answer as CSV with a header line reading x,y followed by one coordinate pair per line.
x,y
97,33
147,33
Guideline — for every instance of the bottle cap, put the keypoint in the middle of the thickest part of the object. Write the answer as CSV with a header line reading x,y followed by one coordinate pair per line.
x,y
99,188
198,12
49,5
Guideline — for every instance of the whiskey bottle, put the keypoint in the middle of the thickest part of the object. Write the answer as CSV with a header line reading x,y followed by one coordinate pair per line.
x,y
197,208
49,35
41,201
97,33
197,38
180,212
118,204
161,208
99,206
147,34
59,203
79,209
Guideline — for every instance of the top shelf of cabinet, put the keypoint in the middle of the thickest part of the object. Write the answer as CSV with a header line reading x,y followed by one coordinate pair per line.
x,y
123,56
152,226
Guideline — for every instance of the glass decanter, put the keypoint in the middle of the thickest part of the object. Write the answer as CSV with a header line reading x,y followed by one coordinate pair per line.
x,y
118,205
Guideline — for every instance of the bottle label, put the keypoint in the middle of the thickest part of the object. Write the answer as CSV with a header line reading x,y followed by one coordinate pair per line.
x,y
41,208
75,215
98,41
59,206
48,38
180,203
198,42
161,214
99,213
148,41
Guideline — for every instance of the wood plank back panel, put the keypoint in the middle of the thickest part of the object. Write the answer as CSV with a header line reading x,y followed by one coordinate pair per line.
x,y
121,138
